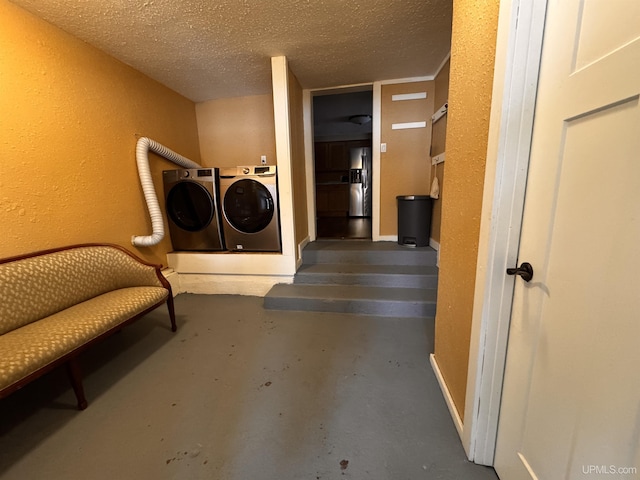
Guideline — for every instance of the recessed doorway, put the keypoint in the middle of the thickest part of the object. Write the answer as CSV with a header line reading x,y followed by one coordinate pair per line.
x,y
342,125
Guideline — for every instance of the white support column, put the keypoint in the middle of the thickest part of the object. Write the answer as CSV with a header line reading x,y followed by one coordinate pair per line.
x,y
280,79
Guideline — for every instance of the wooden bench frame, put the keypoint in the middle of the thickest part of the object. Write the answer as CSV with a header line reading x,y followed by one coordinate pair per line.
x,y
71,358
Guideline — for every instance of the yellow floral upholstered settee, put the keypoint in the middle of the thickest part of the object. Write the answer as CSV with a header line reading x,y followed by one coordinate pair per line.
x,y
55,303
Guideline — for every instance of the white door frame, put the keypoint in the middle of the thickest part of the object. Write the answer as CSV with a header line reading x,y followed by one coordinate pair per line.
x,y
518,51
307,106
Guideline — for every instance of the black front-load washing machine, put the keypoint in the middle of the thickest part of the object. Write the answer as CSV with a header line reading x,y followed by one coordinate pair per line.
x,y
192,205
249,201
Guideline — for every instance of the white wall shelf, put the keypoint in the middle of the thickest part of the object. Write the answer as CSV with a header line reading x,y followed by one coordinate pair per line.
x,y
438,159
404,126
442,111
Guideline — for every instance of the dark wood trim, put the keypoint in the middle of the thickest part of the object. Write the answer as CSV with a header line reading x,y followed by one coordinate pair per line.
x,y
172,313
74,353
167,285
158,267
70,358
75,377
79,245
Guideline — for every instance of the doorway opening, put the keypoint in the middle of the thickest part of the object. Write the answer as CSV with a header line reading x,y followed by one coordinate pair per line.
x,y
342,137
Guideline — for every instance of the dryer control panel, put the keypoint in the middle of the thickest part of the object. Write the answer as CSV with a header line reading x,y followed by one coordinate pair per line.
x,y
248,170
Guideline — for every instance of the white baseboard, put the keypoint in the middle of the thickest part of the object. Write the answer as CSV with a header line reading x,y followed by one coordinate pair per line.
x,y
387,238
301,246
173,278
457,421
436,246
211,284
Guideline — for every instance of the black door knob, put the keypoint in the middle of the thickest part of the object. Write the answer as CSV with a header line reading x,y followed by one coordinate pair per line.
x,y
525,270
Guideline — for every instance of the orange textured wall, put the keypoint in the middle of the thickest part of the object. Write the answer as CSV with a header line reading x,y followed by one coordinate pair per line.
x,y
70,116
237,131
405,166
471,81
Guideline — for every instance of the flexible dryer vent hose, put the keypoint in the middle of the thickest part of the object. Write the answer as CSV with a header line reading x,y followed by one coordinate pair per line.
x,y
142,159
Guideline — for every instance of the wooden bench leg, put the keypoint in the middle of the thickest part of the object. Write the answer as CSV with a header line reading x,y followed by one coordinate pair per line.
x,y
172,313
75,376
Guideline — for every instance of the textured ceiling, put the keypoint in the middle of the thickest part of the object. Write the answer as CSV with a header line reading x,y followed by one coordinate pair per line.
x,y
206,49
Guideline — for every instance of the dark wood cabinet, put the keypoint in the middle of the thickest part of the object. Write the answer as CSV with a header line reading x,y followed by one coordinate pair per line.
x,y
338,157
334,156
331,157
332,200
321,150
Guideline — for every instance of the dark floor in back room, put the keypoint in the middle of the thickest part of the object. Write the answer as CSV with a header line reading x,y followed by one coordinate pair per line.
x,y
343,228
240,392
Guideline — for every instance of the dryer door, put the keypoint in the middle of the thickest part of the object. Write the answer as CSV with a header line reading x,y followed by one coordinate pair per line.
x,y
248,206
190,206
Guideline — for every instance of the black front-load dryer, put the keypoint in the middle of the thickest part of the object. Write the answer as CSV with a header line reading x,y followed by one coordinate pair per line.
x,y
191,201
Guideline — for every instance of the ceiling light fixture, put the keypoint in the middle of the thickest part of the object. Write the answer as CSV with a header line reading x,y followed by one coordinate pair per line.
x,y
360,119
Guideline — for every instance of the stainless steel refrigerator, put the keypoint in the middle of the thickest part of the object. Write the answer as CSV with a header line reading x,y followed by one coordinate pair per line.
x,y
360,182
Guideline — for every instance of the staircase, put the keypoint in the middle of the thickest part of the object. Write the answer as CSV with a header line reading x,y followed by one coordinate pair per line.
x,y
361,277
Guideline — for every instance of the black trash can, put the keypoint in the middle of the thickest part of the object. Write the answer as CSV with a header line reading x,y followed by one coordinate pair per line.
x,y
414,220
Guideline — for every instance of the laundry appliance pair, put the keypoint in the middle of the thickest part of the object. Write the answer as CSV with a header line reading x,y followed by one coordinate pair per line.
x,y
212,209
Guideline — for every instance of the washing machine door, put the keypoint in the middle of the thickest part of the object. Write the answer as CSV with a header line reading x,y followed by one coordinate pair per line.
x,y
248,206
190,206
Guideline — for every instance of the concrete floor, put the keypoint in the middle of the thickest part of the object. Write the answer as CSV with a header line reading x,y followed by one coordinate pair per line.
x,y
242,393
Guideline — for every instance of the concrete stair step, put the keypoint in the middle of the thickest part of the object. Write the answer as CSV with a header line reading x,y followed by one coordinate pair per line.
x,y
409,276
357,299
376,253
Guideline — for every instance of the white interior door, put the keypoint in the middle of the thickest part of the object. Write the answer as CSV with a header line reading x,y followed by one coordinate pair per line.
x,y
571,397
